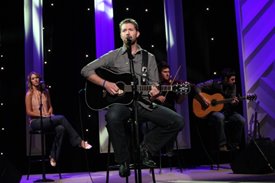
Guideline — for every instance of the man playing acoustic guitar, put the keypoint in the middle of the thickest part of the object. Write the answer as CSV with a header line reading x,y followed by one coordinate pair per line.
x,y
168,122
228,123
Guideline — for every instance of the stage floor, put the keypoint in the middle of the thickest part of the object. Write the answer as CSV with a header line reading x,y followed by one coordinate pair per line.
x,y
202,174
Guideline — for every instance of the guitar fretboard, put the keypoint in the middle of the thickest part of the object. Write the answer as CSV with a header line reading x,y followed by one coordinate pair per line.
x,y
228,100
140,88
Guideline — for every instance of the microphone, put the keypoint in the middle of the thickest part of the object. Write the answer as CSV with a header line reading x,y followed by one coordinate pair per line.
x,y
129,41
128,45
42,85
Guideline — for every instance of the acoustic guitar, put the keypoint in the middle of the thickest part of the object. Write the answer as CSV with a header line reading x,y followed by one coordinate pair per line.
x,y
97,98
217,101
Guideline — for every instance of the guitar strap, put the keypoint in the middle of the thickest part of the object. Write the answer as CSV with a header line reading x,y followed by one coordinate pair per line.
x,y
144,67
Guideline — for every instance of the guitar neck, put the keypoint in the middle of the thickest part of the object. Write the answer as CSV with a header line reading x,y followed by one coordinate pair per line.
x,y
140,88
228,100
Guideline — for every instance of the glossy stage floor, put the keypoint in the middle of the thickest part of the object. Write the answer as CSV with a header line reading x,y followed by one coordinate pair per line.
x,y
200,174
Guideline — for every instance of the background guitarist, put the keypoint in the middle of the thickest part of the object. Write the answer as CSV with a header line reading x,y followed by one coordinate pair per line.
x,y
168,122
228,122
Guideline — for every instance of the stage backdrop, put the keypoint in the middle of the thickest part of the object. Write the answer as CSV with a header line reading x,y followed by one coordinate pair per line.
x,y
255,23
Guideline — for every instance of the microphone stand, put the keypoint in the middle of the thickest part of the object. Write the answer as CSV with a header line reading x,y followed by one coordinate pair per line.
x,y
257,134
44,179
256,123
135,128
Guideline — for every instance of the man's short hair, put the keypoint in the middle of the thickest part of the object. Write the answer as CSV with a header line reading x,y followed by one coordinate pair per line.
x,y
163,65
129,20
227,73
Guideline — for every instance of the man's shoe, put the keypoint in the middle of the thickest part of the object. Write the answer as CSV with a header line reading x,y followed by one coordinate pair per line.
x,y
235,147
146,157
223,148
169,153
124,170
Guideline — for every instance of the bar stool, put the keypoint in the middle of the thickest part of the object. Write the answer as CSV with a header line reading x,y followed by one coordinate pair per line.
x,y
40,159
208,140
179,160
147,127
131,166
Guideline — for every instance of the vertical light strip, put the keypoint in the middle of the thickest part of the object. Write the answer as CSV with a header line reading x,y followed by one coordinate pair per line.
x,y
176,57
104,26
242,69
33,25
33,22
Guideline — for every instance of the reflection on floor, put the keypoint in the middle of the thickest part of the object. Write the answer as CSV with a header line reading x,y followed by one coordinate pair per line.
x,y
201,174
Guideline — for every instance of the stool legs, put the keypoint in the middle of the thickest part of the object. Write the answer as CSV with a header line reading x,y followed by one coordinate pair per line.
x,y
108,161
152,170
169,159
29,157
30,154
126,178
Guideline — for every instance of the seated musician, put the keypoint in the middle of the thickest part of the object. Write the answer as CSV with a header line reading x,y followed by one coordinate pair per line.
x,y
169,99
228,123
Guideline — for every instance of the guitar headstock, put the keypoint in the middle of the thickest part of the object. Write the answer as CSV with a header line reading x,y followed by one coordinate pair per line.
x,y
251,97
182,88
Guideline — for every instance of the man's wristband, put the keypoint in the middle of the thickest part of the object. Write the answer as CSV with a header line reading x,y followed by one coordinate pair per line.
x,y
103,84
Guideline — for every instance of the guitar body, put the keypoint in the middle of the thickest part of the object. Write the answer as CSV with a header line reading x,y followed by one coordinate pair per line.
x,y
97,98
202,111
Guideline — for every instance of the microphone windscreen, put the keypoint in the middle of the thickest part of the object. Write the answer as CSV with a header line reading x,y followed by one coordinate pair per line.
x,y
42,85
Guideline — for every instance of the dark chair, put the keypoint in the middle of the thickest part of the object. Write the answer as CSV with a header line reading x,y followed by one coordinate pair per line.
x,y
38,158
179,160
132,166
209,143
146,128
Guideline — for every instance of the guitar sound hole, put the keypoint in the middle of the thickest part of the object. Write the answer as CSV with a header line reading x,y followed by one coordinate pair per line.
x,y
214,102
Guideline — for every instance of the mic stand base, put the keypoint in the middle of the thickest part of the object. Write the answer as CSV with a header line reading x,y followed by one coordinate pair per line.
x,y
44,180
263,155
